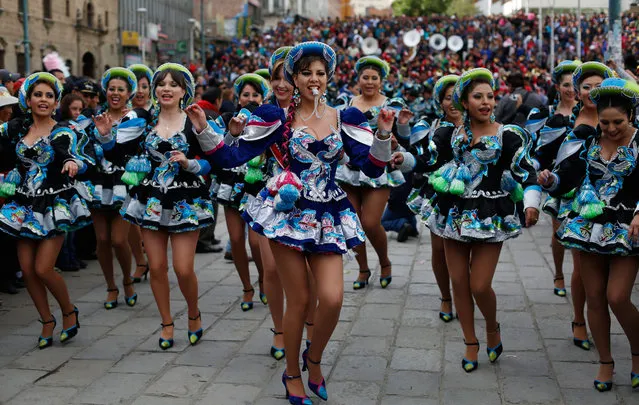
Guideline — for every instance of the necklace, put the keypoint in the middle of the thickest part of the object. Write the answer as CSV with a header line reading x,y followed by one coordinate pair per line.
x,y
314,113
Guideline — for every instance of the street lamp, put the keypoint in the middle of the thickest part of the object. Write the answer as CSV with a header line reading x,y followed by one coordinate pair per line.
x,y
192,21
143,12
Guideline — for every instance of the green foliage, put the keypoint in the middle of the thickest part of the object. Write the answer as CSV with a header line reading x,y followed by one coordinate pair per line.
x,y
417,8
462,8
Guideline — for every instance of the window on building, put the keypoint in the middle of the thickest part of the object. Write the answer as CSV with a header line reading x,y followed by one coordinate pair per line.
x,y
21,63
1,58
20,6
68,8
106,19
46,9
90,15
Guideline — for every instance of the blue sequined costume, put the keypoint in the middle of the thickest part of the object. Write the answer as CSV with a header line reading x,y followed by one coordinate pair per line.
x,y
612,182
322,220
46,202
497,165
168,197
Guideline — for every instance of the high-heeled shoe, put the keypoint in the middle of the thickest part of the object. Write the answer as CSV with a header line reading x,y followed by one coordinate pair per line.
x,y
634,377
262,295
357,284
470,365
603,386
68,333
112,304
145,274
446,316
247,305
132,300
385,281
166,344
582,344
195,337
317,389
291,398
44,342
495,352
560,292
276,352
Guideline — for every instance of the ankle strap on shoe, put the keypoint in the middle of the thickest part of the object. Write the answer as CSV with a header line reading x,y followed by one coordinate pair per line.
x,y
292,377
498,329
75,310
117,290
198,316
249,290
129,283
558,278
472,344
365,271
276,332
445,299
607,362
53,321
167,325
634,354
578,323
313,362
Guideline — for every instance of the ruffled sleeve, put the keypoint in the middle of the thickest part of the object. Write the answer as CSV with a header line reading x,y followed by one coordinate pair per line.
x,y
265,127
520,172
365,151
433,151
65,145
549,140
570,165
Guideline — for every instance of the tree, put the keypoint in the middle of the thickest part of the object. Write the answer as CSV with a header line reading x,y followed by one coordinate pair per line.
x,y
462,8
417,8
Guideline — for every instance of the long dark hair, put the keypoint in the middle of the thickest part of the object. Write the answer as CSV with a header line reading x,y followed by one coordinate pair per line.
x,y
65,105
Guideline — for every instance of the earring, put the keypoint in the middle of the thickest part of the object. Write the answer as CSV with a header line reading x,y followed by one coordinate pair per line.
x,y
322,99
464,116
181,104
297,99
492,118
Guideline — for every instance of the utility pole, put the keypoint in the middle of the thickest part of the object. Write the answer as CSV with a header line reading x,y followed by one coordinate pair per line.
x,y
579,29
25,27
203,45
614,32
541,38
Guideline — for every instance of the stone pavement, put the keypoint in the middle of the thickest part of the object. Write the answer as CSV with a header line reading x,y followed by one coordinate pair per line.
x,y
389,346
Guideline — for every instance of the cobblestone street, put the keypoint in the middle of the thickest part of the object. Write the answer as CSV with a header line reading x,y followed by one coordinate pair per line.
x,y
389,347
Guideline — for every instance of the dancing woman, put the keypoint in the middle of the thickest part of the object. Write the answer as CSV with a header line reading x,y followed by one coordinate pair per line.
x,y
303,212
142,99
585,78
168,200
422,197
236,185
370,195
42,203
482,172
603,223
111,230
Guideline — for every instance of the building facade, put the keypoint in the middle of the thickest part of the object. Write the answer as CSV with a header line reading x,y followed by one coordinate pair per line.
x,y
155,31
83,32
509,7
360,6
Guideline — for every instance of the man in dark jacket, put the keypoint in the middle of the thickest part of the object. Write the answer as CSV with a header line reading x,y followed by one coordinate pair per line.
x,y
514,109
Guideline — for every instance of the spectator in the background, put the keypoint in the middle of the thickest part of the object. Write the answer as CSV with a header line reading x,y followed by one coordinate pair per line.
x,y
199,90
514,109
7,79
7,101
227,101
89,92
58,75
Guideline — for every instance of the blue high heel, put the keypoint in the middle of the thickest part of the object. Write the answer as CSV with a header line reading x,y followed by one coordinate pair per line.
x,y
634,377
247,305
358,285
276,352
560,292
470,365
317,389
262,295
446,316
195,337
132,300
67,334
603,386
291,398
166,344
112,304
582,344
385,281
44,342
495,352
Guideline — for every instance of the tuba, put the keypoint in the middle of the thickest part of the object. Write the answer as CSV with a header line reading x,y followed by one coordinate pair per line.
x,y
369,46
437,42
411,40
455,43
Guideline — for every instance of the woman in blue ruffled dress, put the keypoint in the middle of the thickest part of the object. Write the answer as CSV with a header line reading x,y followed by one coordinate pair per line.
x,y
422,197
42,203
239,184
142,99
482,172
585,78
370,195
603,222
303,212
168,199
111,231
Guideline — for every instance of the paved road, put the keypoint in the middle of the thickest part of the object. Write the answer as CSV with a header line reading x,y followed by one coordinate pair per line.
x,y
389,346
